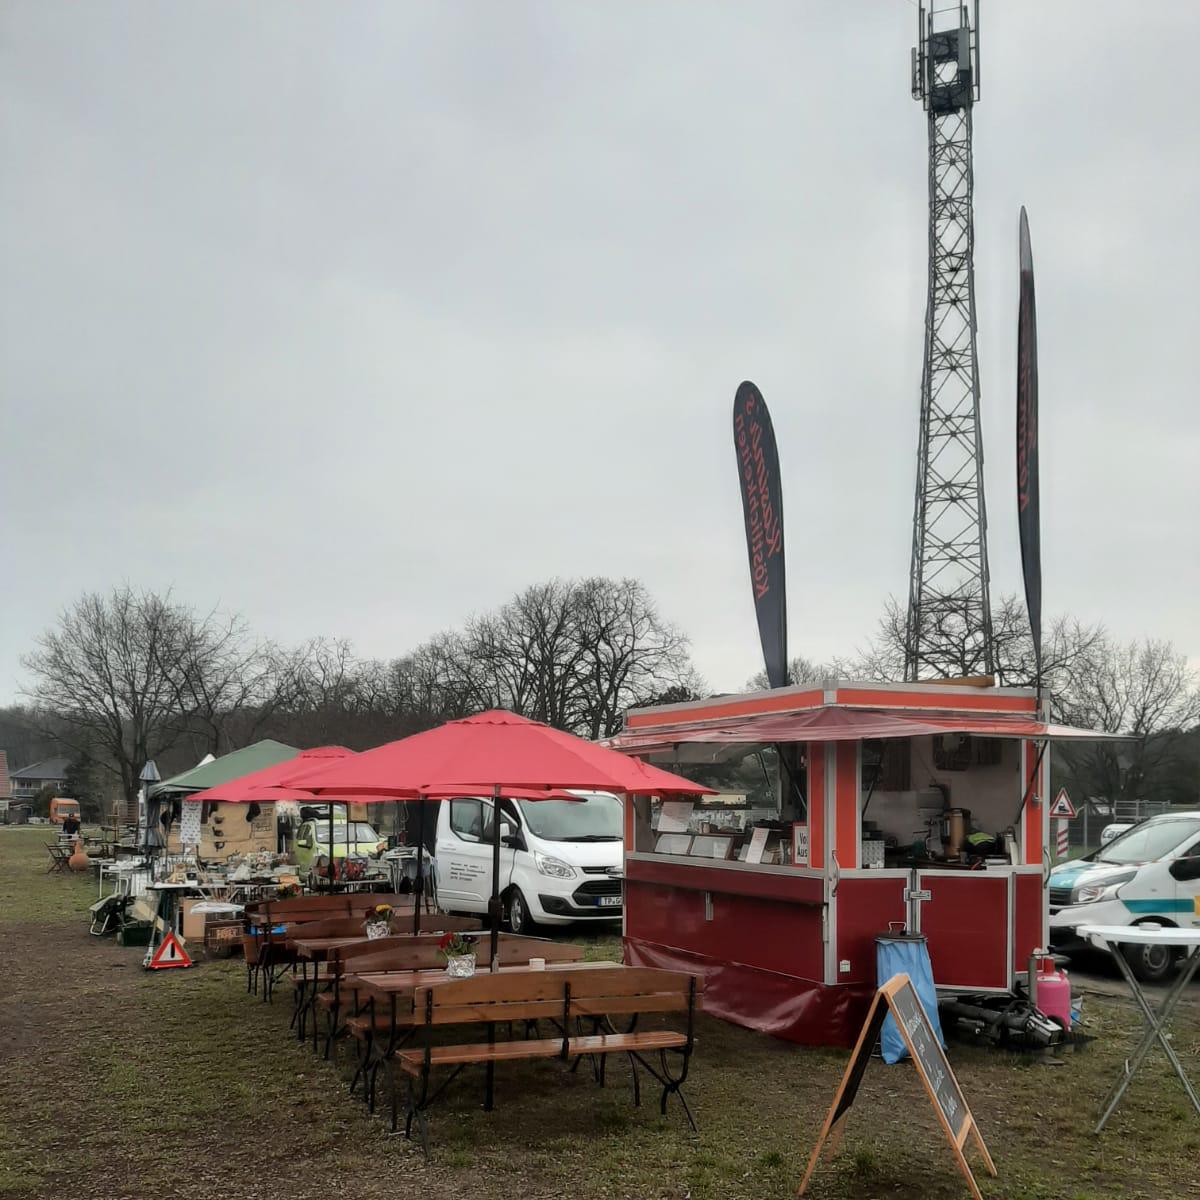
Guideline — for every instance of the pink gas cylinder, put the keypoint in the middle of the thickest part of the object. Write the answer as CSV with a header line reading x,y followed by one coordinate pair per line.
x,y
1052,990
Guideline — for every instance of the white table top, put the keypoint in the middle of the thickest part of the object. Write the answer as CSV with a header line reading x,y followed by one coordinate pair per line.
x,y
1144,935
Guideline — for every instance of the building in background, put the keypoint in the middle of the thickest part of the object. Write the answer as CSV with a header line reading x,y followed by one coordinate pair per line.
x,y
29,781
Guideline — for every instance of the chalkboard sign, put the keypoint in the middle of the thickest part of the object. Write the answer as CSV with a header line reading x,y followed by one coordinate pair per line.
x,y
929,1056
900,998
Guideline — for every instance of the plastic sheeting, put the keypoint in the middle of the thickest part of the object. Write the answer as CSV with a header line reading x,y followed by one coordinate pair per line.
x,y
797,1010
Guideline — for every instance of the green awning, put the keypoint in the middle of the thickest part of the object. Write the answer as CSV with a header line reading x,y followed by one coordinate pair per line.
x,y
229,766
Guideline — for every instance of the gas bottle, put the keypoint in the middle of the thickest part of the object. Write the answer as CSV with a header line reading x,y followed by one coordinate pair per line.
x,y
1054,992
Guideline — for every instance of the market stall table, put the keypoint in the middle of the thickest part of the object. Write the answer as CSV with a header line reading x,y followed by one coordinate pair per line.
x,y
1110,938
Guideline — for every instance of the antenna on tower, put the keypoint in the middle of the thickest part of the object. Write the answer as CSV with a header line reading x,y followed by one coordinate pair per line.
x,y
948,632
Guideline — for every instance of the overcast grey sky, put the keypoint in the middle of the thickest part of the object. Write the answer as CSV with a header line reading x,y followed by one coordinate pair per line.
x,y
359,317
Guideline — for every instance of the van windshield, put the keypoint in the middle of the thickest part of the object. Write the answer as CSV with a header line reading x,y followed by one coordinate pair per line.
x,y
360,832
1150,841
595,818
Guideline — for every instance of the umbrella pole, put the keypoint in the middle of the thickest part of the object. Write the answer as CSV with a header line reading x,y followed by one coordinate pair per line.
x,y
494,906
419,882
331,848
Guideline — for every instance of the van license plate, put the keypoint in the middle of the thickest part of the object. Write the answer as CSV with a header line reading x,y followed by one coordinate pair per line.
x,y
609,901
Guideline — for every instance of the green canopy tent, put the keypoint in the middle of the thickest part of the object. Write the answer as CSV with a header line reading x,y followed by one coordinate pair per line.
x,y
233,765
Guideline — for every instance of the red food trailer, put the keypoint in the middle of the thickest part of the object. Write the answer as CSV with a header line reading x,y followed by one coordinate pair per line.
x,y
846,809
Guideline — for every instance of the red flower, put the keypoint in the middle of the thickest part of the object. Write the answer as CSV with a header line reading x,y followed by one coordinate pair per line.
x,y
445,941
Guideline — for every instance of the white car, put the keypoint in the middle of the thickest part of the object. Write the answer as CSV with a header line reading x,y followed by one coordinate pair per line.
x,y
1150,874
560,860
1114,830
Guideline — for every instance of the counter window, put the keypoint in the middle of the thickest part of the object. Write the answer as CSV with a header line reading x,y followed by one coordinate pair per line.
x,y
750,819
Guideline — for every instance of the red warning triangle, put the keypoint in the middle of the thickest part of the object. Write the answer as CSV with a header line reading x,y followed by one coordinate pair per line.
x,y
1062,806
169,954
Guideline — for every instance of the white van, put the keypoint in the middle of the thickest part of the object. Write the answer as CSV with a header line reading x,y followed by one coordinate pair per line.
x,y
1149,873
560,860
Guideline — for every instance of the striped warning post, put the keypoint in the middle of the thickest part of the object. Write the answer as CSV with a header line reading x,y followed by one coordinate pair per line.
x,y
1062,838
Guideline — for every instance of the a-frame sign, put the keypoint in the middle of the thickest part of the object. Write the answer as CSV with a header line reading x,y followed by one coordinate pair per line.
x,y
900,998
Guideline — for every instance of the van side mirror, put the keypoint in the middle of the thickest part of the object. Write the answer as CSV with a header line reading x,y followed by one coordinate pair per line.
x,y
1186,868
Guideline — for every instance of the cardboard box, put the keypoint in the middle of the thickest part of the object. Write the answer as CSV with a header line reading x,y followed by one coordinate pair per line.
x,y
193,922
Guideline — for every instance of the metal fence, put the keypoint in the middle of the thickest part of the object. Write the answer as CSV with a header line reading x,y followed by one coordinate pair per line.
x,y
1093,815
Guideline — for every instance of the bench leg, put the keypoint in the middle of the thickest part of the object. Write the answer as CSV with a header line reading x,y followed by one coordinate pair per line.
x,y
637,1083
362,1053
670,1083
331,1031
416,1112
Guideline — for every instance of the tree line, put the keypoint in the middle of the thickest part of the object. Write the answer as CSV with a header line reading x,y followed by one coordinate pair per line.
x,y
131,676
1090,680
134,675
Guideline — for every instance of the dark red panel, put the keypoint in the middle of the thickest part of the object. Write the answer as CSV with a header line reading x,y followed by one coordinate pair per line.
x,y
864,909
966,924
765,934
794,1009
795,888
1029,903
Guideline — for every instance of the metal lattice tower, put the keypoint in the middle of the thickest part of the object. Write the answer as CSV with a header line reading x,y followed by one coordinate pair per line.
x,y
949,626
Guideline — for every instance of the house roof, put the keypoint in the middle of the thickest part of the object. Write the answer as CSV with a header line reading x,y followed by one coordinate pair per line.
x,y
48,768
229,766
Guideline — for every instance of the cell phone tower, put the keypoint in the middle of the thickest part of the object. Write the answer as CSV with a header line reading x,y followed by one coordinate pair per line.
x,y
948,632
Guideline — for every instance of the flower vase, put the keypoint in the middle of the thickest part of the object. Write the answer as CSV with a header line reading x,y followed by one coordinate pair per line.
x,y
378,929
460,966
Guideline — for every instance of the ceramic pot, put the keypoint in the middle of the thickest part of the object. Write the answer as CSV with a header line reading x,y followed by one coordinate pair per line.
x,y
79,860
460,966
377,929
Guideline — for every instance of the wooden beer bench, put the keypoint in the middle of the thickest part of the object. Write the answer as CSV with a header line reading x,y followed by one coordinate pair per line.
x,y
566,997
395,963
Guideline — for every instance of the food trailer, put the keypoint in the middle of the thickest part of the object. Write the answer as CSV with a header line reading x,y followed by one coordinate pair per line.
x,y
846,810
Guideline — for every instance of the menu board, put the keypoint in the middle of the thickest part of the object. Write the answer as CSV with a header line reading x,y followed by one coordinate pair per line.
x,y
758,843
674,816
899,997
929,1056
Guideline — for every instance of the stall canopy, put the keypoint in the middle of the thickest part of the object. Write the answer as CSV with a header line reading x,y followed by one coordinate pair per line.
x,y
845,725
495,748
266,785
495,753
229,766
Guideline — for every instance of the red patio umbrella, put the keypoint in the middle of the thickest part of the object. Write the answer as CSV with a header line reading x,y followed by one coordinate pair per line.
x,y
266,787
495,753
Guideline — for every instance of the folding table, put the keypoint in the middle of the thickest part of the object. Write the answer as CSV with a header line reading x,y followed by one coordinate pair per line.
x,y
1110,938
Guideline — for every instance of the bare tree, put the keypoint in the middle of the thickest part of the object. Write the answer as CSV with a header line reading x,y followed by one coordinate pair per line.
x,y
802,669
100,679
1142,688
627,654
228,685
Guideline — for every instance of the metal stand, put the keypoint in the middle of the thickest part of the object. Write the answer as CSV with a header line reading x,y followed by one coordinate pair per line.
x,y
1156,1029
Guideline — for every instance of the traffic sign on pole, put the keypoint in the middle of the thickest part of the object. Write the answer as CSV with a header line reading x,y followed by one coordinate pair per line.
x,y
1062,806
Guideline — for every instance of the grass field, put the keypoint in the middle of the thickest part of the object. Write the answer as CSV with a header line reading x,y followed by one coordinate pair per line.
x,y
118,1083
